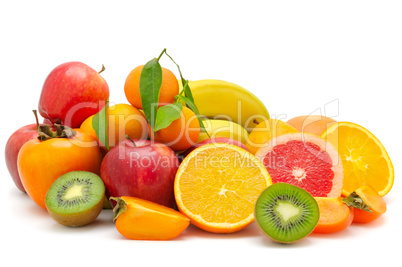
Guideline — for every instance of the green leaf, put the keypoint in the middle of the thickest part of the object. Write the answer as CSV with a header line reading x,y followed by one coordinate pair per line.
x,y
99,123
187,91
189,103
167,114
194,108
150,86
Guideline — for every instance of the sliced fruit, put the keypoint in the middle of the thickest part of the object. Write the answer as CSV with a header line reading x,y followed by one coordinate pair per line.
x,y
265,131
286,213
306,161
365,160
76,198
368,204
145,220
225,140
217,185
223,128
334,215
314,124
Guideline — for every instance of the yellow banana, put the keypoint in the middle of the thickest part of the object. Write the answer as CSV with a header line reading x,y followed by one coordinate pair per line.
x,y
218,99
223,128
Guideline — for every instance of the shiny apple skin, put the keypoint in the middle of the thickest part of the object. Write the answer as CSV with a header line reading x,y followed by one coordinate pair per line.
x,y
71,93
146,171
13,146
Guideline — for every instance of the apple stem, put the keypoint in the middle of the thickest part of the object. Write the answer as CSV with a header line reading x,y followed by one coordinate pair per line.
x,y
36,117
132,141
103,68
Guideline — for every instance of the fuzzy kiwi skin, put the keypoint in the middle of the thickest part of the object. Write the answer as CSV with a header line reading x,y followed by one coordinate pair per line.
x,y
276,240
79,219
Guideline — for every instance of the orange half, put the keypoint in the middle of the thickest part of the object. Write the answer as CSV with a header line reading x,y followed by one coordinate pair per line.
x,y
217,186
365,160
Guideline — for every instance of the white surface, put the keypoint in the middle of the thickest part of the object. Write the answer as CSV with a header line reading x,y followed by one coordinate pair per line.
x,y
297,56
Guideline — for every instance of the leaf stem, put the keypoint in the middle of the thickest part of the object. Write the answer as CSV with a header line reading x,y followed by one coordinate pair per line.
x,y
178,67
164,51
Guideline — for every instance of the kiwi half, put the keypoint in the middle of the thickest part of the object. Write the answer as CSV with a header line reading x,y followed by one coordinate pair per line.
x,y
76,198
286,213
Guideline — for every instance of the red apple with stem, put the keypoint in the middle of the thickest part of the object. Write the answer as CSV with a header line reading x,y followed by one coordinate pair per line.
x,y
13,146
71,93
141,168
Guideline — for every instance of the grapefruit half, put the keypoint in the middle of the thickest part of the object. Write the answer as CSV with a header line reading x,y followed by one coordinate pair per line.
x,y
306,161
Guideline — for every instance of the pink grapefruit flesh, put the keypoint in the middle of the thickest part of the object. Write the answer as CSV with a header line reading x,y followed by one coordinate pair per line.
x,y
306,161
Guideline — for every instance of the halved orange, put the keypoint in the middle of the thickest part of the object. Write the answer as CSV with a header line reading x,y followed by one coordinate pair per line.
x,y
217,186
365,160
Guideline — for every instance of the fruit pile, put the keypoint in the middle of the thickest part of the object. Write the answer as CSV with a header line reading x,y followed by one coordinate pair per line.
x,y
203,152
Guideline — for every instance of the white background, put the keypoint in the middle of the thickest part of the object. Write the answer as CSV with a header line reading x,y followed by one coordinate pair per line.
x,y
297,56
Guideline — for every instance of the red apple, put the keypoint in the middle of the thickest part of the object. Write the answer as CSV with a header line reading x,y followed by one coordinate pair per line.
x,y
211,141
146,170
71,93
13,146
47,122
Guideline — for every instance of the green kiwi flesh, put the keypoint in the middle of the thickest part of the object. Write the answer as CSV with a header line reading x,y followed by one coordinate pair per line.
x,y
286,213
76,198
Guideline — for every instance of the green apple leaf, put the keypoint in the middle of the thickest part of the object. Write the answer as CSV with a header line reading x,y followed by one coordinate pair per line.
x,y
99,123
167,114
150,86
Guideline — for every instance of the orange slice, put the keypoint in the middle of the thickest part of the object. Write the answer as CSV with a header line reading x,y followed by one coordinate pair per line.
x,y
217,186
365,160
